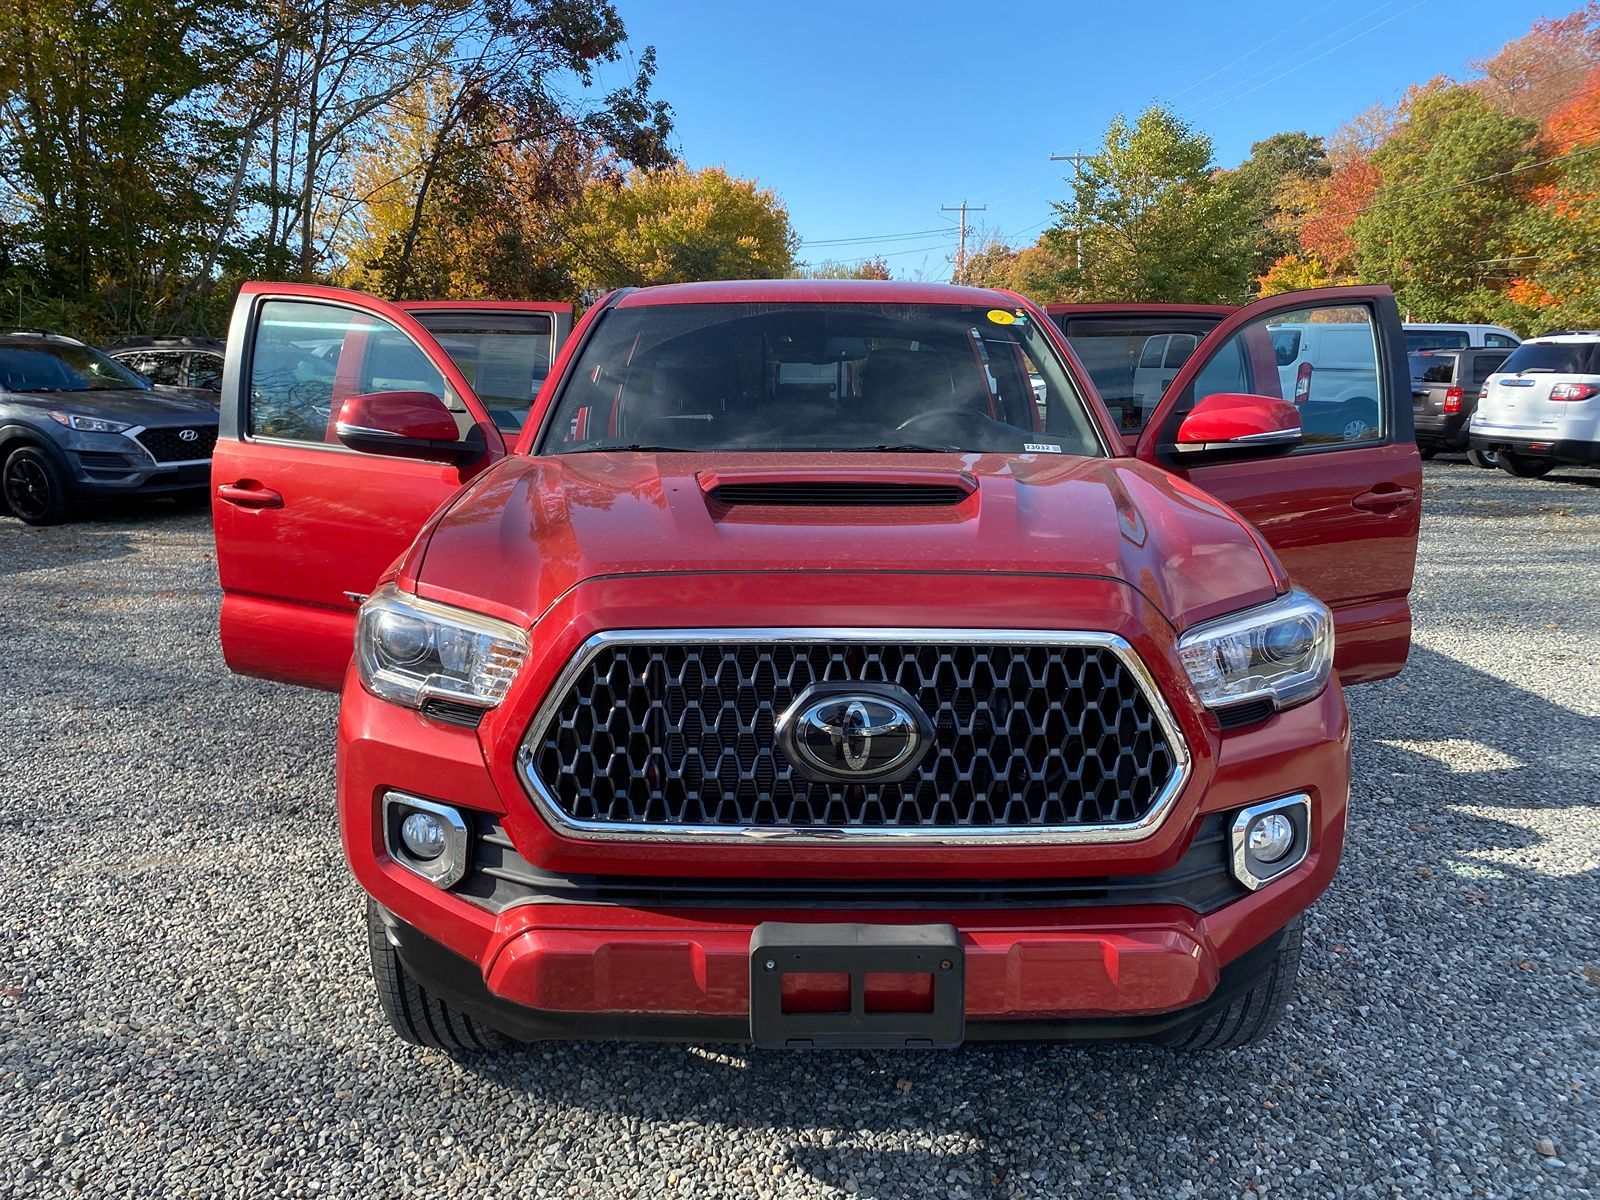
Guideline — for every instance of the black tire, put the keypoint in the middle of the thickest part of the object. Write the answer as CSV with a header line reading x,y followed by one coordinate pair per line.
x,y
1487,459
1252,1014
416,1014
1427,452
1525,468
35,489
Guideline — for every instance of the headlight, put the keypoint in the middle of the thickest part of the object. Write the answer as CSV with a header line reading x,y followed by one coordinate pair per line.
x,y
1282,651
88,424
409,650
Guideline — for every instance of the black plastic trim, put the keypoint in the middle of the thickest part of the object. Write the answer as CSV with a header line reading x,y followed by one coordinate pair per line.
x,y
500,878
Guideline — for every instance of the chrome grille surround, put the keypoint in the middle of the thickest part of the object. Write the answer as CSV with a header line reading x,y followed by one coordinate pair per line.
x,y
1141,824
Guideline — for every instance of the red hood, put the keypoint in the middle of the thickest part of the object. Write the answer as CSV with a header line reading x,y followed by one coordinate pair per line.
x,y
532,528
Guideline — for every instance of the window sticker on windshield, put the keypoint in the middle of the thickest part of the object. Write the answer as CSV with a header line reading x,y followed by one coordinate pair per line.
x,y
1001,317
1040,448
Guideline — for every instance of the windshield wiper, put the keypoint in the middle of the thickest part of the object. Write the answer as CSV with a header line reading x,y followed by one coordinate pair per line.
x,y
898,448
640,447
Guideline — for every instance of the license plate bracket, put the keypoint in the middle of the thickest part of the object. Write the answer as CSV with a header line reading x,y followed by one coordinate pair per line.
x,y
779,948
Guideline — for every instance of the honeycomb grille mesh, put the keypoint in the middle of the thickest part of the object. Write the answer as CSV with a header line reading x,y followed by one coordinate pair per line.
x,y
168,445
1025,736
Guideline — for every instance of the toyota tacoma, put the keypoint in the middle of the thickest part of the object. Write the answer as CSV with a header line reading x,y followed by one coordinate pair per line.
x,y
818,663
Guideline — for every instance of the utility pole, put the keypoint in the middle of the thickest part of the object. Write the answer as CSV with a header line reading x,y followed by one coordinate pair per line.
x,y
1076,159
963,208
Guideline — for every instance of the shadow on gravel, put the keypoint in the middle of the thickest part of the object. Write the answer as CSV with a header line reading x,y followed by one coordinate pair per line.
x,y
98,533
988,1118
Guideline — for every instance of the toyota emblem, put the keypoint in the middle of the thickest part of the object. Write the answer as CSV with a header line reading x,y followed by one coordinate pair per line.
x,y
854,732
188,435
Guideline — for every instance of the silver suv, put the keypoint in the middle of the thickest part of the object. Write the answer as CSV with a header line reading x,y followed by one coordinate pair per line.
x,y
1541,409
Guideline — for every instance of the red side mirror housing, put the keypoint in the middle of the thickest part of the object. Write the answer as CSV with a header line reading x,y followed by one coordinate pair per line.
x,y
1239,423
403,425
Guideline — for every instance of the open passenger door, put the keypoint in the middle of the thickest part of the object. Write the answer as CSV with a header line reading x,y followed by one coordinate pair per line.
x,y
1343,507
305,522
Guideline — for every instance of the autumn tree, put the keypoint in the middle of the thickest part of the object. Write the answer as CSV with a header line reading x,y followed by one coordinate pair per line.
x,y
865,268
1555,273
1534,75
1274,183
1455,181
675,225
1152,219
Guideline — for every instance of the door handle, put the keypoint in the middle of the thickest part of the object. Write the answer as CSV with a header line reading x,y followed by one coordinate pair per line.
x,y
1385,498
247,495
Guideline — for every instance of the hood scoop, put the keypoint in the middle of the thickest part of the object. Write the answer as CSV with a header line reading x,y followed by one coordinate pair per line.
x,y
837,488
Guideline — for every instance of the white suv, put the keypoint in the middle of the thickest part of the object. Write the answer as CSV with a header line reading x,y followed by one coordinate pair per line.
x,y
1542,408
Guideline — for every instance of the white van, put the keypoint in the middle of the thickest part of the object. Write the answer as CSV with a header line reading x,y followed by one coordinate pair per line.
x,y
1340,394
1446,336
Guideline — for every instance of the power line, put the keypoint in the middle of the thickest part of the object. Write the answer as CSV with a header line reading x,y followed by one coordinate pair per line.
x,y
1301,66
1256,49
963,208
1204,105
877,237
1412,193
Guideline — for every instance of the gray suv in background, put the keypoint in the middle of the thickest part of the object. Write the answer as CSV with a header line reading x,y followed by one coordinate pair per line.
x,y
76,425
191,365
1445,385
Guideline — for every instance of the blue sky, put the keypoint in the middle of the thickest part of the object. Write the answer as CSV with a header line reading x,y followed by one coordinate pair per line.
x,y
867,116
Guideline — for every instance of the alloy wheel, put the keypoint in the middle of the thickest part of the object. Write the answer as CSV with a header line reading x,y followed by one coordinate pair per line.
x,y
27,488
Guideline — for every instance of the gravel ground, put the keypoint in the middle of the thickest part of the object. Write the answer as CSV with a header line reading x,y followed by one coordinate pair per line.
x,y
185,1008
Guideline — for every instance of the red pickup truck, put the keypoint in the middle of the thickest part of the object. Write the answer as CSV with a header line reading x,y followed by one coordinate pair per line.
x,y
816,663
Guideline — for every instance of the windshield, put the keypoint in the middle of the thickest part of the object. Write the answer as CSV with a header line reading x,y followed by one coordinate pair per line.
x,y
62,367
787,376
1561,358
1133,358
1435,339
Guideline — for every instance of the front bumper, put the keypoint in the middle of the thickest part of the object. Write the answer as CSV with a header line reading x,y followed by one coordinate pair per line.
x,y
546,967
459,981
108,465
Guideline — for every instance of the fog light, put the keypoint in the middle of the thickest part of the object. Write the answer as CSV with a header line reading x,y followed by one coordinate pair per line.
x,y
423,835
1269,839
426,838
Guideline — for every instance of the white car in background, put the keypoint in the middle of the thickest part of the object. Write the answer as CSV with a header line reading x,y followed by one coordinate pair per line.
x,y
1339,395
1447,336
1542,408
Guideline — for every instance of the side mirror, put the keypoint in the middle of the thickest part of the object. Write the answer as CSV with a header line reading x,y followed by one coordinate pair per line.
x,y
403,425
1236,424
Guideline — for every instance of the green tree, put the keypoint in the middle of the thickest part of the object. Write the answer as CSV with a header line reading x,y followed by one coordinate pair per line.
x,y
675,225
1152,219
1270,183
865,268
1454,187
107,188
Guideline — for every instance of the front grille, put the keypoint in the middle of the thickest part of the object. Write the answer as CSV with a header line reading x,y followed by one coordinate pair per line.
x,y
840,495
500,878
168,445
663,735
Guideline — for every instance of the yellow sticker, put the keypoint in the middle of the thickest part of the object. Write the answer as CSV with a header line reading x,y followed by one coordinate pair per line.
x,y
1001,317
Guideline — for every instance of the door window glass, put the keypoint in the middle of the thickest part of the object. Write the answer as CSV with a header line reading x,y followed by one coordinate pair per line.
x,y
1332,376
1499,341
505,356
205,372
1179,348
1153,350
1486,365
157,366
297,386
